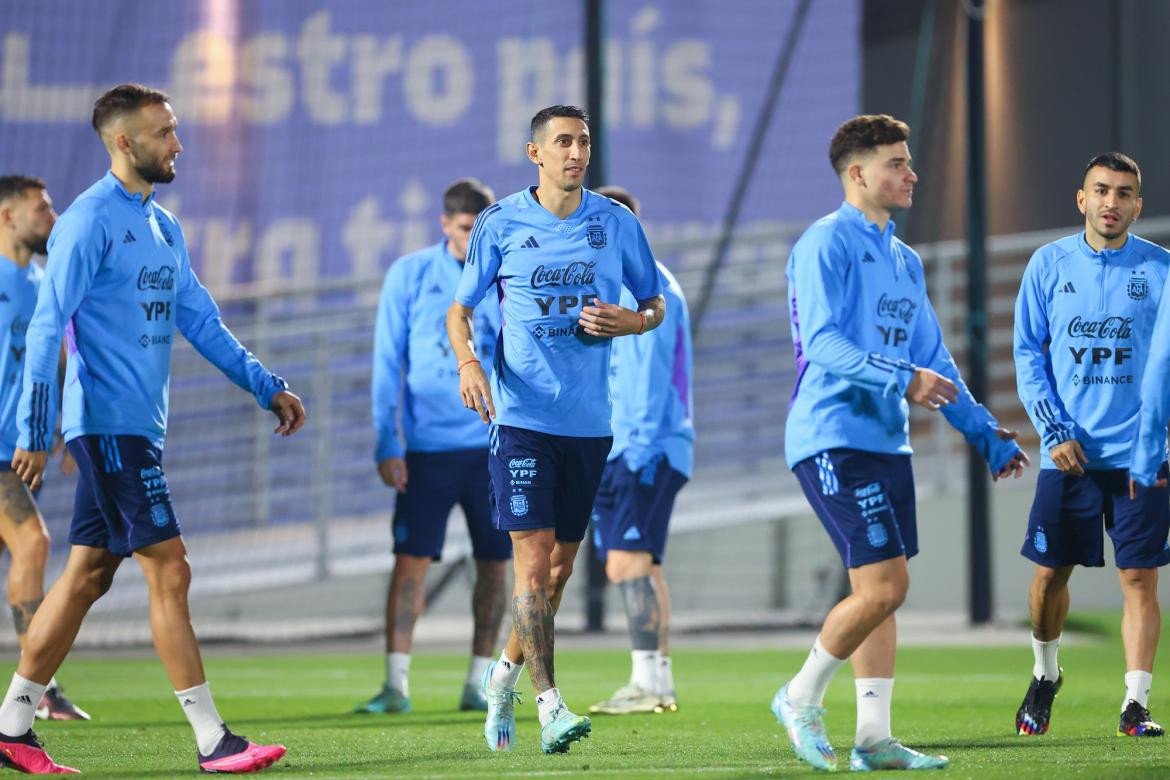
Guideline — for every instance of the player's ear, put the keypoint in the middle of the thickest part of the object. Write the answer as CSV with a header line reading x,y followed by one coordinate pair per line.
x,y
1081,201
1137,211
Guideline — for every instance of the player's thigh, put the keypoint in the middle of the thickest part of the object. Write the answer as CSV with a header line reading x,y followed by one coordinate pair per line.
x,y
488,543
421,511
1066,521
1139,527
21,525
580,465
863,502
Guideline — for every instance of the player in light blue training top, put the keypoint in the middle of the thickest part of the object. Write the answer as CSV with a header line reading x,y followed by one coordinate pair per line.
x,y
118,285
557,257
445,460
26,218
651,460
867,341
1084,330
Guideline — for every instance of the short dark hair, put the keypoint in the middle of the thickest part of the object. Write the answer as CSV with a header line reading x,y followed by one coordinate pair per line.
x,y
862,134
1115,161
543,116
17,184
123,99
467,196
621,195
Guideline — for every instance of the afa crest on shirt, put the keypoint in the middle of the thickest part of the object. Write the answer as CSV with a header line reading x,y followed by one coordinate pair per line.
x,y
1138,287
519,504
595,234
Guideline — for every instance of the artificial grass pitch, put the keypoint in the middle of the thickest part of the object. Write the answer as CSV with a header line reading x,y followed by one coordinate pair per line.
x,y
957,701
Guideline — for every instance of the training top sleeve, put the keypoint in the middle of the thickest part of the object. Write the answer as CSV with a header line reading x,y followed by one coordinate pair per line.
x,y
639,271
1030,341
78,243
966,415
199,321
483,260
818,308
390,341
1149,449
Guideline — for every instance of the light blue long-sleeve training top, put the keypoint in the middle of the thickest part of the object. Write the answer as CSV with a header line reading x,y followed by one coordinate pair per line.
x,y
117,285
18,299
1084,323
548,374
861,324
650,382
414,366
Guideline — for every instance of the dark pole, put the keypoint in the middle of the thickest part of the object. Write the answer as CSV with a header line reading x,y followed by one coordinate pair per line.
x,y
595,176
977,497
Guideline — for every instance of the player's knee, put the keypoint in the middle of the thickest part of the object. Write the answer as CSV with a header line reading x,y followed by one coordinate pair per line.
x,y
173,579
1140,582
559,576
33,547
887,596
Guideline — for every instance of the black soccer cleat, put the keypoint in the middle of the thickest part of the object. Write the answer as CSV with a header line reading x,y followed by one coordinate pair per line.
x,y
1036,710
1135,722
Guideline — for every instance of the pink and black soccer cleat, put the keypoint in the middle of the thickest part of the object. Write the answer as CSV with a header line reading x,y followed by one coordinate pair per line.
x,y
26,754
236,755
55,705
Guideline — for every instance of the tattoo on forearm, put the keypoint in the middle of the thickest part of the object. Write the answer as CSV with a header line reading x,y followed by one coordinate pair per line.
x,y
22,614
641,612
532,618
15,500
488,602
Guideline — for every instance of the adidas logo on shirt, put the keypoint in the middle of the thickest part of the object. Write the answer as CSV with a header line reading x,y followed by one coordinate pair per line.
x,y
1068,288
530,243
436,290
868,258
128,238
4,297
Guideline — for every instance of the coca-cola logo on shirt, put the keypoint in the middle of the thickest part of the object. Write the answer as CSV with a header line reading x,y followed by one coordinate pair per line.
x,y
161,278
898,308
1106,328
576,273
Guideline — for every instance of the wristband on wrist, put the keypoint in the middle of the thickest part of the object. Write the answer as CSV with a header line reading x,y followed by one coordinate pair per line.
x,y
642,327
469,361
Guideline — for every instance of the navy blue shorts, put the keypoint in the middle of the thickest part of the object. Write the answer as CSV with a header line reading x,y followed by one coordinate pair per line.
x,y
632,508
123,502
436,481
865,500
541,480
1069,512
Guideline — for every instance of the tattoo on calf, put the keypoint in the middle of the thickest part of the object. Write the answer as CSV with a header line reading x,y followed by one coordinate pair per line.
x,y
15,500
641,612
22,614
532,618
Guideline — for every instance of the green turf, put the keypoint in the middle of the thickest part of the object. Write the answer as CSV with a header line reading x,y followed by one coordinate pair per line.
x,y
960,702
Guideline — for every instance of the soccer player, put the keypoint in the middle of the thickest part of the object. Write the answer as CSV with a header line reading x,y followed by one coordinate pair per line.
x,y
558,256
1084,328
117,285
651,459
26,218
867,342
446,448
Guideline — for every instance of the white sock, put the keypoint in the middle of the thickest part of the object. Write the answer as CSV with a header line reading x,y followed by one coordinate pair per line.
x,y
811,682
665,676
546,703
645,668
476,668
1137,687
506,674
873,709
19,709
1045,665
201,714
398,672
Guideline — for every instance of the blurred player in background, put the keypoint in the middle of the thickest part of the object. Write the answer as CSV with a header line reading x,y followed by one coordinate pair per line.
x,y
867,342
117,286
446,456
651,460
1084,329
557,255
26,219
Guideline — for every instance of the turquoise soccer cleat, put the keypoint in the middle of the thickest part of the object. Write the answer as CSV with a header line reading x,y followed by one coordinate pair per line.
x,y
473,699
386,701
805,725
564,729
892,754
499,727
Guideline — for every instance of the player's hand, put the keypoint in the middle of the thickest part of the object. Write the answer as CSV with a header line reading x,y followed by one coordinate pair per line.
x,y
30,466
475,392
1014,467
609,320
68,464
393,473
290,411
1134,484
1069,457
931,390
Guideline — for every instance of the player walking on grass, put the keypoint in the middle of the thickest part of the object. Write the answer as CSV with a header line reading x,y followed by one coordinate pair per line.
x,y
558,256
445,460
118,284
651,460
26,218
1084,328
867,342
